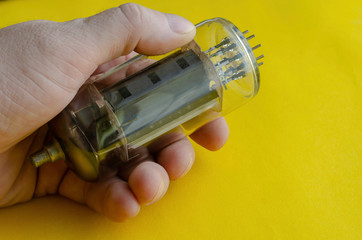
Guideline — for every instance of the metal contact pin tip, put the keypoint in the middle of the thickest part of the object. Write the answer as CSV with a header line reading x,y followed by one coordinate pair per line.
x,y
261,63
260,57
51,152
257,46
250,37
245,32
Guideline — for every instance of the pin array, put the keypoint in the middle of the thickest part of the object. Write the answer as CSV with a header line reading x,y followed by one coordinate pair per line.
x,y
230,66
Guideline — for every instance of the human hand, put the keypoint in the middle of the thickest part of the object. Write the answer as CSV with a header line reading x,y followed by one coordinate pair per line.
x,y
43,64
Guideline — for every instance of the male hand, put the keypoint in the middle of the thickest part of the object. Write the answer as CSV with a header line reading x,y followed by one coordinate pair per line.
x,y
42,66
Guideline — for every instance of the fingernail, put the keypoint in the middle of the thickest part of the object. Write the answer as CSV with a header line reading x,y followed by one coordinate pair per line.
x,y
179,24
188,167
159,194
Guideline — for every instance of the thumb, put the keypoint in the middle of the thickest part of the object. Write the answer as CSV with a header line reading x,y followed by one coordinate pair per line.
x,y
131,27
46,60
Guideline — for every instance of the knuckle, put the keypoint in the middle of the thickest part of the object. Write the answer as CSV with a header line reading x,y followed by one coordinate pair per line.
x,y
132,15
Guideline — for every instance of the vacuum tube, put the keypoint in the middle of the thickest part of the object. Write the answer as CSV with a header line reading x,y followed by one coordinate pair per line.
x,y
209,77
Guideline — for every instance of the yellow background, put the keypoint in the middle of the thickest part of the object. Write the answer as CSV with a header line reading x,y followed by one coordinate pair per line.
x,y
292,166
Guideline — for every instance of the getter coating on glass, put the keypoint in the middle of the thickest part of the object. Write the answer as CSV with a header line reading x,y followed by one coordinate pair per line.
x,y
207,78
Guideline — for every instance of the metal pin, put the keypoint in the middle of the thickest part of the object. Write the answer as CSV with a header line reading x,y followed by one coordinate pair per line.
x,y
224,83
239,74
260,57
223,42
236,57
223,62
223,50
134,156
226,61
261,63
257,46
245,32
230,47
250,37
231,70
217,53
236,76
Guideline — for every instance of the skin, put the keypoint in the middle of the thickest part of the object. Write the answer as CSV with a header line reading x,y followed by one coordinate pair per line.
x,y
43,64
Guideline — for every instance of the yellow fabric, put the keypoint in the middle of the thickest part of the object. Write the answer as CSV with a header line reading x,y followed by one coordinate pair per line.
x,y
292,166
